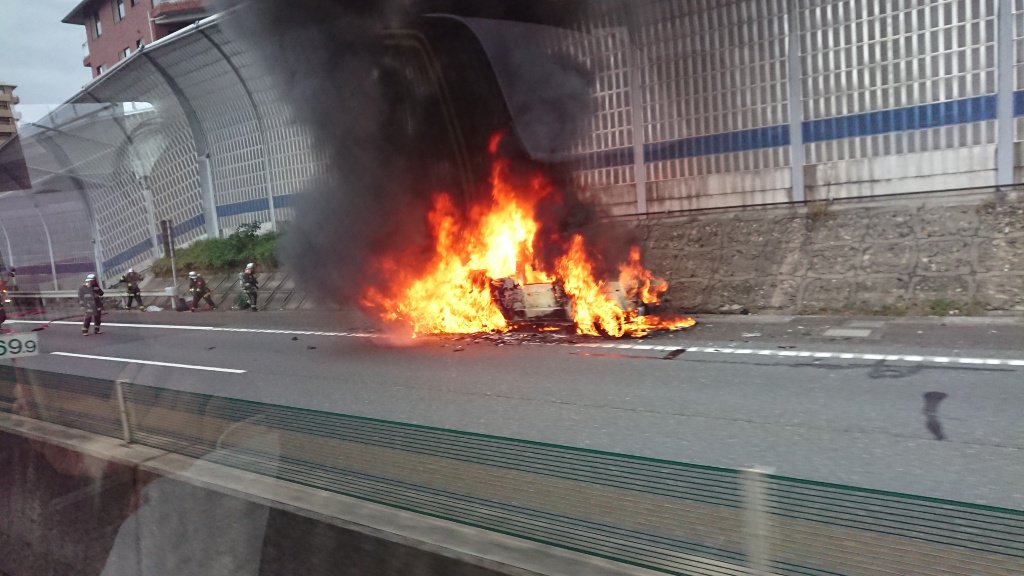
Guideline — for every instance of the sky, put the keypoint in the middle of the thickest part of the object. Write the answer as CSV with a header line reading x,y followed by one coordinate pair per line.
x,y
40,54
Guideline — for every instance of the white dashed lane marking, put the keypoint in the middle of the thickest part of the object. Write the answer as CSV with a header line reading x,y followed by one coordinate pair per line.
x,y
150,362
915,358
204,328
847,333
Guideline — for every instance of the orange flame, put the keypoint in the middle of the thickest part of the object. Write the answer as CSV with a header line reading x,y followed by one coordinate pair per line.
x,y
593,311
638,283
454,296
494,240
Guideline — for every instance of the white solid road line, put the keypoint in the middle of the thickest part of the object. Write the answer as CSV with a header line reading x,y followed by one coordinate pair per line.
x,y
203,328
134,361
916,358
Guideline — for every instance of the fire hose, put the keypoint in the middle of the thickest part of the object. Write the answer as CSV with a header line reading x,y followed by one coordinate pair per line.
x,y
42,327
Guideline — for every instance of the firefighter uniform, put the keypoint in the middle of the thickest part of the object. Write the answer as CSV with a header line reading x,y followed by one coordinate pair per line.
x,y
131,281
199,290
250,285
12,286
90,298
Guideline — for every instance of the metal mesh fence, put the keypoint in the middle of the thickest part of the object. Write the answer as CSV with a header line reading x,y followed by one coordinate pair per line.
x,y
73,401
673,517
691,110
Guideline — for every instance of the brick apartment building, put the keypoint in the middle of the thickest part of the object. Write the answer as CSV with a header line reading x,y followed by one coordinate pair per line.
x,y
115,29
8,117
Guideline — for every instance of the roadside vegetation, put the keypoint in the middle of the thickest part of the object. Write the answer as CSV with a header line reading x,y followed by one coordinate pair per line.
x,y
934,307
222,255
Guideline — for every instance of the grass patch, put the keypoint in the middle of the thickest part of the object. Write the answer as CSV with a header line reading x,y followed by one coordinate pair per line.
x,y
941,307
229,254
935,307
947,307
889,310
818,211
986,206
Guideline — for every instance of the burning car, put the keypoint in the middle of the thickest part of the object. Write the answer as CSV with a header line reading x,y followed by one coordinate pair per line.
x,y
486,271
452,137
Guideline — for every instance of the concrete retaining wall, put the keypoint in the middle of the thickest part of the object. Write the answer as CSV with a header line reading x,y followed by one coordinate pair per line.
x,y
960,253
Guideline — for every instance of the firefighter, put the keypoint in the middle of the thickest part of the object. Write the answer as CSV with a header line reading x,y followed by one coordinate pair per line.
x,y
250,284
12,286
3,299
90,298
199,290
131,281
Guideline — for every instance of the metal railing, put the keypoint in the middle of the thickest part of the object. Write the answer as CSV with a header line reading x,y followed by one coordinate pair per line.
x,y
63,299
672,517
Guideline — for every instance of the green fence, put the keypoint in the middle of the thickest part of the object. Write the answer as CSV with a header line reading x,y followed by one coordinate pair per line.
x,y
668,516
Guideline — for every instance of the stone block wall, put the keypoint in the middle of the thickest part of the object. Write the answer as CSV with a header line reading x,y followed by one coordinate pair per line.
x,y
940,253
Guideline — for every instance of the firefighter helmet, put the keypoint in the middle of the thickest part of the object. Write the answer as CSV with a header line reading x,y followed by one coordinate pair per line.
x,y
193,275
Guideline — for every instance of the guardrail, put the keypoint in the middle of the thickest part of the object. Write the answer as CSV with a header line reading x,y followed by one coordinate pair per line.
x,y
225,296
66,294
108,293
43,300
672,517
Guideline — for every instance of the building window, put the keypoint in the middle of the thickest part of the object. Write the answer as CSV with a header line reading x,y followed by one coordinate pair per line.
x,y
138,44
126,53
118,10
135,2
97,26
100,69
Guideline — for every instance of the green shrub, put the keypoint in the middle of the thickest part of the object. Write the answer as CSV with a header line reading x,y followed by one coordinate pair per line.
x,y
225,254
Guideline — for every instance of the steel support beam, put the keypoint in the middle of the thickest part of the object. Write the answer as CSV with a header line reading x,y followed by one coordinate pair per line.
x,y
198,139
10,251
636,106
209,202
1004,96
796,112
154,231
622,36
49,245
260,126
53,146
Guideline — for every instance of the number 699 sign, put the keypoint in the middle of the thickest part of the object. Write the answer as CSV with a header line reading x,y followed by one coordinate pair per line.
x,y
18,345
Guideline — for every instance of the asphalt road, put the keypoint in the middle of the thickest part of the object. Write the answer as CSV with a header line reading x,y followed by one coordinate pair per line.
x,y
837,400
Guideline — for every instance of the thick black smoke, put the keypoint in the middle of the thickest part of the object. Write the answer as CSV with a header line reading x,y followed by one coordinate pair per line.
x,y
402,98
